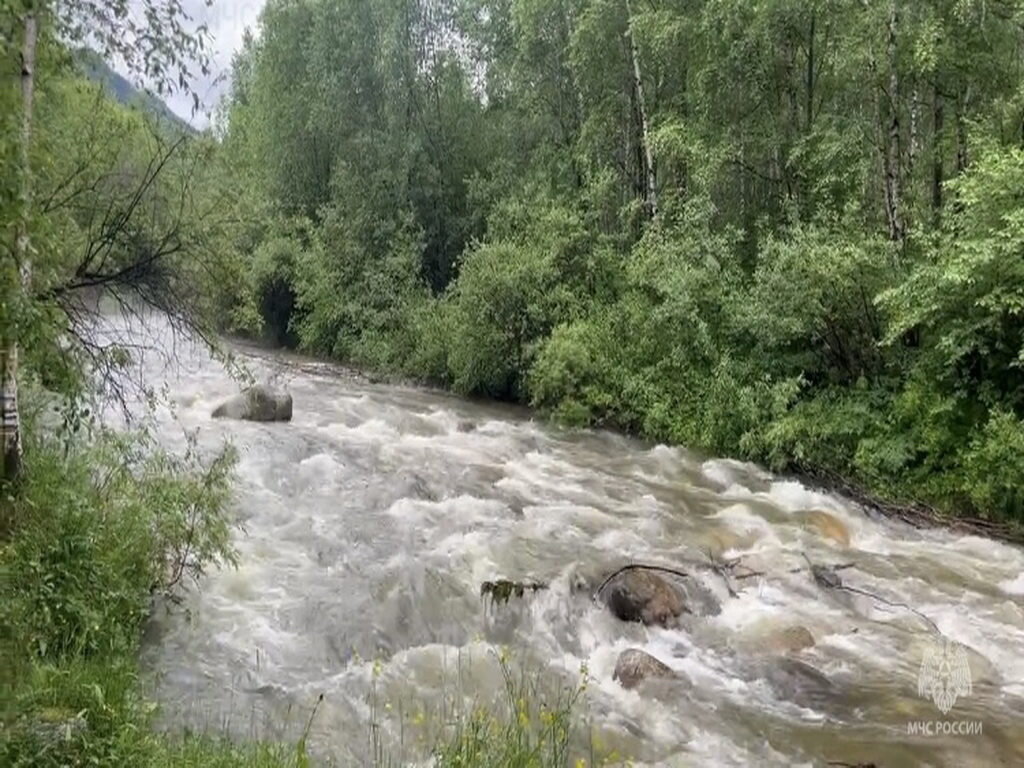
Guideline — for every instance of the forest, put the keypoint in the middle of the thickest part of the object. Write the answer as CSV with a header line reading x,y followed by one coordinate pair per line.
x,y
789,232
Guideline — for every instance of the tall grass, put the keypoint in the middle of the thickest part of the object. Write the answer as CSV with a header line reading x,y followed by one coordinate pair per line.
x,y
527,728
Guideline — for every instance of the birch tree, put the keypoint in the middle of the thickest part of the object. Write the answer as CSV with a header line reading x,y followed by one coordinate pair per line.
x,y
159,43
645,124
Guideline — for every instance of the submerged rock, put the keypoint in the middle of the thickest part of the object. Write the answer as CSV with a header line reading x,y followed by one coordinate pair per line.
x,y
256,403
790,639
639,594
634,666
829,526
799,682
699,599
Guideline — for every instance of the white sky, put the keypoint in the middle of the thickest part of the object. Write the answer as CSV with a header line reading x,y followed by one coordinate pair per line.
x,y
227,20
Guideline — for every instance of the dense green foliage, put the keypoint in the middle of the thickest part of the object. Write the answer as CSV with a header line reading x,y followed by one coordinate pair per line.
x,y
99,200
785,231
99,528
127,213
825,273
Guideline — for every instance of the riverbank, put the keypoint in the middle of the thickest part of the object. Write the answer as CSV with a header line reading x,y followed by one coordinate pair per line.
x,y
90,544
90,540
372,519
912,511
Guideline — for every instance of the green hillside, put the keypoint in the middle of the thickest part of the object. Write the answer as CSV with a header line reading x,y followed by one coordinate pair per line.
x,y
95,68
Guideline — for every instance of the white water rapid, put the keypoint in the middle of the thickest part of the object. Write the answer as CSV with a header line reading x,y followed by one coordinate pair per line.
x,y
372,518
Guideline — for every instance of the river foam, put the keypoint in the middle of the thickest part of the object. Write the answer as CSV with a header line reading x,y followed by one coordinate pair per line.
x,y
371,520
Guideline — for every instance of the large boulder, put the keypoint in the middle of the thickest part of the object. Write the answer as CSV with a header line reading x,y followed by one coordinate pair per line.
x,y
639,594
634,666
257,403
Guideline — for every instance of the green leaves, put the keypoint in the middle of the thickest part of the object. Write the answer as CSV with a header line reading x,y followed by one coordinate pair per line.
x,y
966,297
476,216
101,526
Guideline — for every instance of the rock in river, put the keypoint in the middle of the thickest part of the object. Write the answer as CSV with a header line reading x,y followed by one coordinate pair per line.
x,y
639,594
829,526
635,666
791,639
257,403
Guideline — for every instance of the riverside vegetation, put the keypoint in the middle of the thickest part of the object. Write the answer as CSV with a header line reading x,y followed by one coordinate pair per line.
x,y
109,205
790,232
786,232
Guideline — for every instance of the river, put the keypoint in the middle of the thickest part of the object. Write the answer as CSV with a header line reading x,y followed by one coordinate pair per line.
x,y
371,520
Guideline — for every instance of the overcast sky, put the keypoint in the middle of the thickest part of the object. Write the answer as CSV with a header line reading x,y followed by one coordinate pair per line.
x,y
227,20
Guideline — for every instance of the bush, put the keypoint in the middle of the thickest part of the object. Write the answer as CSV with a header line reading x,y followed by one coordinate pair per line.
x,y
95,531
508,297
574,375
811,306
994,466
356,303
273,267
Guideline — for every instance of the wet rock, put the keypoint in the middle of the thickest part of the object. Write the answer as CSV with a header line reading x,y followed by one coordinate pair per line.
x,y
258,403
699,600
829,526
799,682
465,425
790,639
639,594
634,666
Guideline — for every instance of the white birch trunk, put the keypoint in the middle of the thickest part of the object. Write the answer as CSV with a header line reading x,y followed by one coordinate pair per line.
x,y
645,127
10,427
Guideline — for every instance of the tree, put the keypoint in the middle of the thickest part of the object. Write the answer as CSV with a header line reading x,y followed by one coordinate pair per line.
x,y
161,47
651,189
10,429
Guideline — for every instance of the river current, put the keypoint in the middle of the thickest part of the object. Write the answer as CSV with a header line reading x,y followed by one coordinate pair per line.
x,y
370,521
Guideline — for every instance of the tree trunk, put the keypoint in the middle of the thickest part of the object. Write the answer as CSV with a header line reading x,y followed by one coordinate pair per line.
x,y
892,154
10,428
645,127
810,73
915,139
962,158
938,120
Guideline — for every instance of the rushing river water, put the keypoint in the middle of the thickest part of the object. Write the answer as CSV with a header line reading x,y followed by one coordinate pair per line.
x,y
372,518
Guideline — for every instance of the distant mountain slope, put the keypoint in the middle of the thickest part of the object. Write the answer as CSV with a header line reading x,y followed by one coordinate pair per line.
x,y
96,69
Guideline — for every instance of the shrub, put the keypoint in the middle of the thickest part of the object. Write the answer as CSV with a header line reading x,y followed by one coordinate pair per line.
x,y
507,298
97,527
994,467
273,266
574,375
98,530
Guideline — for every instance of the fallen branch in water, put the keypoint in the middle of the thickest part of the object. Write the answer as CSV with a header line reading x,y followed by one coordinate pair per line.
x,y
753,574
503,590
638,566
827,578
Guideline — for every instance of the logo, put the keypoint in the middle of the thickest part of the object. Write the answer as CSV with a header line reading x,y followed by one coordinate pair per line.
x,y
945,674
